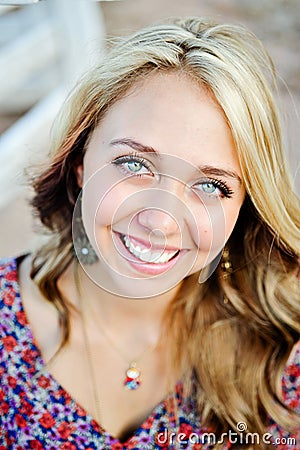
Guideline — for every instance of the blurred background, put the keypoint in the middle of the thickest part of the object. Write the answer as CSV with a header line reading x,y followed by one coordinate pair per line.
x,y
46,45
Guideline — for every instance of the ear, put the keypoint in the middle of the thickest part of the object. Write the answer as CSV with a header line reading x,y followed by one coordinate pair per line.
x,y
79,175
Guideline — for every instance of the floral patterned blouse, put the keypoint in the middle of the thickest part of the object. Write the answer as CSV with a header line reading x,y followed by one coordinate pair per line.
x,y
37,413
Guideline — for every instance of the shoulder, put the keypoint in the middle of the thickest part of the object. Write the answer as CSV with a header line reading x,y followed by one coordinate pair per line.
x,y
281,438
8,272
291,380
9,285
10,301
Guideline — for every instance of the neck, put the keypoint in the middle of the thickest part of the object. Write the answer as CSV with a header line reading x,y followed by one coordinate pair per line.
x,y
141,318
124,310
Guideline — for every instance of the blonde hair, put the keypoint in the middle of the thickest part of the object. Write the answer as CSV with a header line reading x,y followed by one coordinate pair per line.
x,y
236,351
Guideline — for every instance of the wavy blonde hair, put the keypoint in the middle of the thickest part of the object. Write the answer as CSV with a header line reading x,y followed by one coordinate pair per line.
x,y
234,350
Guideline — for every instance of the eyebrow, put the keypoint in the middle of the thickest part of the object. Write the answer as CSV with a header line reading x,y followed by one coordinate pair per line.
x,y
206,169
218,172
134,145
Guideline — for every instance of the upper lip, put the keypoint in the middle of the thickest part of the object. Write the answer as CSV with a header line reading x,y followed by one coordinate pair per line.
x,y
150,244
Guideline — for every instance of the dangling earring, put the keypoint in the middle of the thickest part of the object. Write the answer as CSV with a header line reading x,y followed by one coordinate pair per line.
x,y
226,264
226,267
81,244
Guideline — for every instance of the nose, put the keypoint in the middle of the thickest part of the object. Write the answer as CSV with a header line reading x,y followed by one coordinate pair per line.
x,y
164,212
158,221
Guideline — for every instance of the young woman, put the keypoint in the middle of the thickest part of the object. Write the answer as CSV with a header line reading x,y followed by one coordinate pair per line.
x,y
163,310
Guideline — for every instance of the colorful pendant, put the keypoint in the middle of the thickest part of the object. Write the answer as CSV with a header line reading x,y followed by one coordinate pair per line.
x,y
132,380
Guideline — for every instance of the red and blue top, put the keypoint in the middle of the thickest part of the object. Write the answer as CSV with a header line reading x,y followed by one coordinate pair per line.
x,y
37,413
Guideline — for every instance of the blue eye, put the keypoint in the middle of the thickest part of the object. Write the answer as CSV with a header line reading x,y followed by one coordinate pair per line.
x,y
133,165
208,188
214,188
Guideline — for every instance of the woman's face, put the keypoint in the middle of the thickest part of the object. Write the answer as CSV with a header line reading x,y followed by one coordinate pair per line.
x,y
162,186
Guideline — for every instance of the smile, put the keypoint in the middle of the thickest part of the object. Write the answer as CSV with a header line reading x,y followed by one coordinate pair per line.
x,y
145,254
146,258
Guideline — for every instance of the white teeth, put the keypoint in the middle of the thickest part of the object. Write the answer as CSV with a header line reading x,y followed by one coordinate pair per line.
x,y
145,254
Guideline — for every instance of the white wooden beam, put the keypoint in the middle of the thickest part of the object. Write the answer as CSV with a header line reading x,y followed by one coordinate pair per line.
x,y
26,56
79,34
26,143
82,33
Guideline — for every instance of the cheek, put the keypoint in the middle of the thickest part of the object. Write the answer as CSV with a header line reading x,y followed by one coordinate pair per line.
x,y
103,195
214,224
209,231
109,207
103,211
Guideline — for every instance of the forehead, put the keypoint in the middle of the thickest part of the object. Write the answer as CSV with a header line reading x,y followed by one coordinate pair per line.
x,y
175,115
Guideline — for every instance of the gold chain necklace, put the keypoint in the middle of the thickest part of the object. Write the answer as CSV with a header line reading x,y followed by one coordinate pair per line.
x,y
132,380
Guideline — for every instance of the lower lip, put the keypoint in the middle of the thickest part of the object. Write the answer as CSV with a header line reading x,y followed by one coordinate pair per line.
x,y
146,267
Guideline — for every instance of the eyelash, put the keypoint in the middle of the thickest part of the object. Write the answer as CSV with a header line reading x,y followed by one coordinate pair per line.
x,y
224,188
134,157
